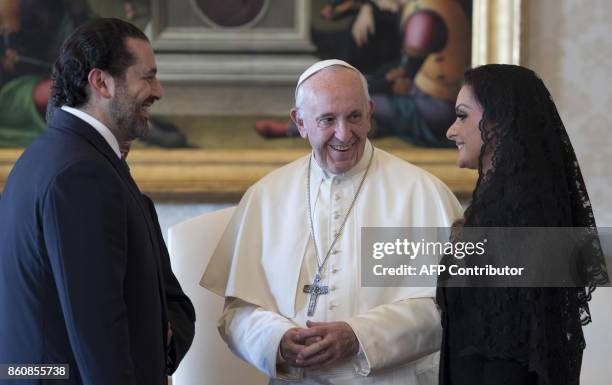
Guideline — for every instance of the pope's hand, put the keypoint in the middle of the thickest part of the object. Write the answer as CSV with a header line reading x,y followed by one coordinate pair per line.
x,y
291,345
337,342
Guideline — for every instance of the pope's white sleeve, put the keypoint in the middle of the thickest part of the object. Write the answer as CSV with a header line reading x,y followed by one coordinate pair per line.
x,y
396,333
254,334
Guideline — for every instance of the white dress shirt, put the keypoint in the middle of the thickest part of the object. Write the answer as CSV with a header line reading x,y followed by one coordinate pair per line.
x,y
99,126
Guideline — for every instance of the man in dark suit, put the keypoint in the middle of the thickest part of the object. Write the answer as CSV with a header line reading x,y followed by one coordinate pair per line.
x,y
85,278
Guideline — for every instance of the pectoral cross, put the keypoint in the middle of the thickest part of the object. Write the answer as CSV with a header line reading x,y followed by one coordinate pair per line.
x,y
315,290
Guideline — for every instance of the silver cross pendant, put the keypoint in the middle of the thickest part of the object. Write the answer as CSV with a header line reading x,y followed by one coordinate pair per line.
x,y
315,290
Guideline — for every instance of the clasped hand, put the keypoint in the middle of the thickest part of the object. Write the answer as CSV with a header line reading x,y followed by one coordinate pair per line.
x,y
320,345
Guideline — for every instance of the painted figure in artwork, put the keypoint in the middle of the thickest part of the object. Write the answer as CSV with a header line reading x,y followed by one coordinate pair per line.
x,y
32,32
414,95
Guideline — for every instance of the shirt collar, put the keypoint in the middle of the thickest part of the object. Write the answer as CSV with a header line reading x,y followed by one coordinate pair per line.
x,y
318,173
99,126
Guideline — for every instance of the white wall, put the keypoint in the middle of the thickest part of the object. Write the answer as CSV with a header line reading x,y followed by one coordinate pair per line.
x,y
569,44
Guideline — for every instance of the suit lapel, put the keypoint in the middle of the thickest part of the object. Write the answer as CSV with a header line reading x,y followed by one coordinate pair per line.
x,y
64,121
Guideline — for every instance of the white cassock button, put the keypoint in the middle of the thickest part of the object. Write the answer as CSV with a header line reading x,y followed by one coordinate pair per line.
x,y
332,288
332,306
335,251
337,196
336,215
335,270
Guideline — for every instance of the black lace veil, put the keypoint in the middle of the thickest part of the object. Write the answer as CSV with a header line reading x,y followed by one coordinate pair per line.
x,y
534,180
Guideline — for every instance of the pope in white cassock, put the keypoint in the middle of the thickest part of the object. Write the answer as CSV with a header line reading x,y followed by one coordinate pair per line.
x,y
289,262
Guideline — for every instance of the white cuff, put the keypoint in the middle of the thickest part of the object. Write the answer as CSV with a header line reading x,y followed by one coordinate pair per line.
x,y
361,363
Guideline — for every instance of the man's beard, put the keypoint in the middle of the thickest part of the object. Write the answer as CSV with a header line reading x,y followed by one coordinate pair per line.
x,y
128,115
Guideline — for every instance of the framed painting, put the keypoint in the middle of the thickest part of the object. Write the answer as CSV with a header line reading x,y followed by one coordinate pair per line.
x,y
223,66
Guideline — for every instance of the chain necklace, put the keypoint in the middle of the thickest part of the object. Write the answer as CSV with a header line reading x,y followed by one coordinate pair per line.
x,y
316,289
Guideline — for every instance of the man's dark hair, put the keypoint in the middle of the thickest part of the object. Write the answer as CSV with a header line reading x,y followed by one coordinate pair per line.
x,y
99,43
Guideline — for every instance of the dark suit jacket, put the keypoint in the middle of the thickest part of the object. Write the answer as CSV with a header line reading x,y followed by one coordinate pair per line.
x,y
85,278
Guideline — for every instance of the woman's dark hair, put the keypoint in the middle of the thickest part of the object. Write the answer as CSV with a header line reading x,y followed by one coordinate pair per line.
x,y
534,168
534,181
99,43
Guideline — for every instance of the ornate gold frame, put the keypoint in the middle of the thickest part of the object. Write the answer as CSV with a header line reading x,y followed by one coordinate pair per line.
x,y
224,174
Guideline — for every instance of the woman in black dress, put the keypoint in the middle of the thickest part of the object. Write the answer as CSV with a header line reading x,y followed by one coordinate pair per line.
x,y
509,129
